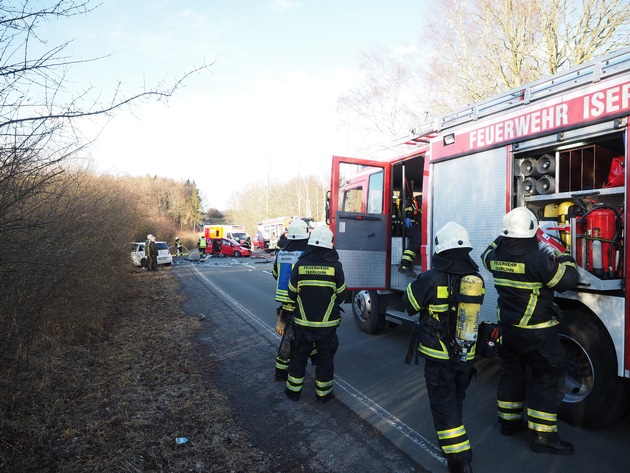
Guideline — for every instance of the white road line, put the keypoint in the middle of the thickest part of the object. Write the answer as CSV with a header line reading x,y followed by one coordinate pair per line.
x,y
415,437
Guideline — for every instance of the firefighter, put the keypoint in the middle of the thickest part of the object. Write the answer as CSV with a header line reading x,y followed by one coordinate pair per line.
x,y
201,246
525,279
316,287
282,266
178,246
438,295
412,232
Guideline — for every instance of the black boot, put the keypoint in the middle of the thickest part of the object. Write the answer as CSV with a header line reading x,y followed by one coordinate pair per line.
x,y
549,442
460,467
512,427
294,396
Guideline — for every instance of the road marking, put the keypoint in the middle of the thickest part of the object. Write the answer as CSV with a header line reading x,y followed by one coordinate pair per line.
x,y
415,437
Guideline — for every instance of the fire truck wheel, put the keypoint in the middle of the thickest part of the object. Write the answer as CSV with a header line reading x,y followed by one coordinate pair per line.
x,y
366,312
594,394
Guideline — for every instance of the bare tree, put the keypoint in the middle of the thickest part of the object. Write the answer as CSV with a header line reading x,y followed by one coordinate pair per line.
x,y
471,50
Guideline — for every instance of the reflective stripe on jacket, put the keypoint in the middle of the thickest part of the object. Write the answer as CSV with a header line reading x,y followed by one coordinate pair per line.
x,y
317,285
525,279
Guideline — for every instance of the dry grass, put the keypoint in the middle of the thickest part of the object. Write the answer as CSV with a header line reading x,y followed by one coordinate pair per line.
x,y
118,404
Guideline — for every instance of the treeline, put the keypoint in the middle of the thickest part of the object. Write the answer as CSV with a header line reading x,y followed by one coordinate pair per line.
x,y
65,258
303,196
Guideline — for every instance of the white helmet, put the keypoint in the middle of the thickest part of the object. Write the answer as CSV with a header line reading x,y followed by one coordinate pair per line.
x,y
452,235
520,223
298,230
321,236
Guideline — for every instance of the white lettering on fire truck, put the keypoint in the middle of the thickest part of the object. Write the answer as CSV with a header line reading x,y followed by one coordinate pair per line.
x,y
607,101
534,122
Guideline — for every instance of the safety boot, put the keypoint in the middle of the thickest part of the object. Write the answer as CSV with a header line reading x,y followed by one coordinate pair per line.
x,y
460,467
549,442
513,427
407,271
281,375
292,395
324,399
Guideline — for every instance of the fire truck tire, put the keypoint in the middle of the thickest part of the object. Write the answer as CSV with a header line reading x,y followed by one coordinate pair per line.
x,y
365,308
594,394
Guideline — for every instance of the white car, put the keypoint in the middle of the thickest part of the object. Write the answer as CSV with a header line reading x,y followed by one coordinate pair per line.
x,y
139,259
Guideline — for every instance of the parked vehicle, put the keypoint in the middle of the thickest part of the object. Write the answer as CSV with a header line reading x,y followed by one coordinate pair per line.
x,y
230,248
138,254
557,146
270,230
231,232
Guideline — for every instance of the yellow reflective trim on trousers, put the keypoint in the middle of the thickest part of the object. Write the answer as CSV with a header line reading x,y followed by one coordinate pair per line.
x,y
456,448
558,276
541,427
510,404
451,433
542,415
510,416
324,384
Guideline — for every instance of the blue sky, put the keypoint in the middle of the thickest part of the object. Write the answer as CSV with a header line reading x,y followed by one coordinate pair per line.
x,y
267,107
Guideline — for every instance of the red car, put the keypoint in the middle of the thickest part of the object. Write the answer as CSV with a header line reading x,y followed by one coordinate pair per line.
x,y
227,247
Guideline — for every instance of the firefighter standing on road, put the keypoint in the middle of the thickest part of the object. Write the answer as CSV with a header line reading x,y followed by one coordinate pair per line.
x,y
412,232
178,246
525,279
439,294
201,246
317,286
282,266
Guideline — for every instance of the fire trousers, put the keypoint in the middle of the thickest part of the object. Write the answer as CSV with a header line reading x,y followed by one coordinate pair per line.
x,y
446,385
326,343
541,351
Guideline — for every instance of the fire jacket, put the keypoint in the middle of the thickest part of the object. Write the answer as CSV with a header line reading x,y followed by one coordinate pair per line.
x,y
282,266
432,294
525,279
317,286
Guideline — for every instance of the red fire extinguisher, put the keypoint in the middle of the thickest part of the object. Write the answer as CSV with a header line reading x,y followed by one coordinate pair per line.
x,y
598,233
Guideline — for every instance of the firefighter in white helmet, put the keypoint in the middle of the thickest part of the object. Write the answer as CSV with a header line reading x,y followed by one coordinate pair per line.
x,y
297,241
317,287
525,279
448,297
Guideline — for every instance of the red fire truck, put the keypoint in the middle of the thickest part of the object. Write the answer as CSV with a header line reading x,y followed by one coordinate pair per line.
x,y
557,146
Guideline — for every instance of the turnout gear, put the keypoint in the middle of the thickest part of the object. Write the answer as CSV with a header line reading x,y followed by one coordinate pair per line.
x,y
412,232
452,288
281,271
525,279
317,286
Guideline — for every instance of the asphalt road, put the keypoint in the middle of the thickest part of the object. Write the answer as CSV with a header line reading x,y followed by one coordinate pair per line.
x,y
373,382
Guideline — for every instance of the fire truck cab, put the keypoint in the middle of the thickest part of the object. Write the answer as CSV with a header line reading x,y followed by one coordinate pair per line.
x,y
557,146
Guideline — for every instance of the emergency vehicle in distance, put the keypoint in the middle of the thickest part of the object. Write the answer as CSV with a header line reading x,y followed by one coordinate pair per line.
x,y
231,232
557,146
270,230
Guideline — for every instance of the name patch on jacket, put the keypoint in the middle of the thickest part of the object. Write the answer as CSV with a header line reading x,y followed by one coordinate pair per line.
x,y
507,267
317,270
289,257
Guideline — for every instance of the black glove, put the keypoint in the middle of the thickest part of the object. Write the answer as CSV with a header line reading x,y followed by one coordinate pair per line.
x,y
566,258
